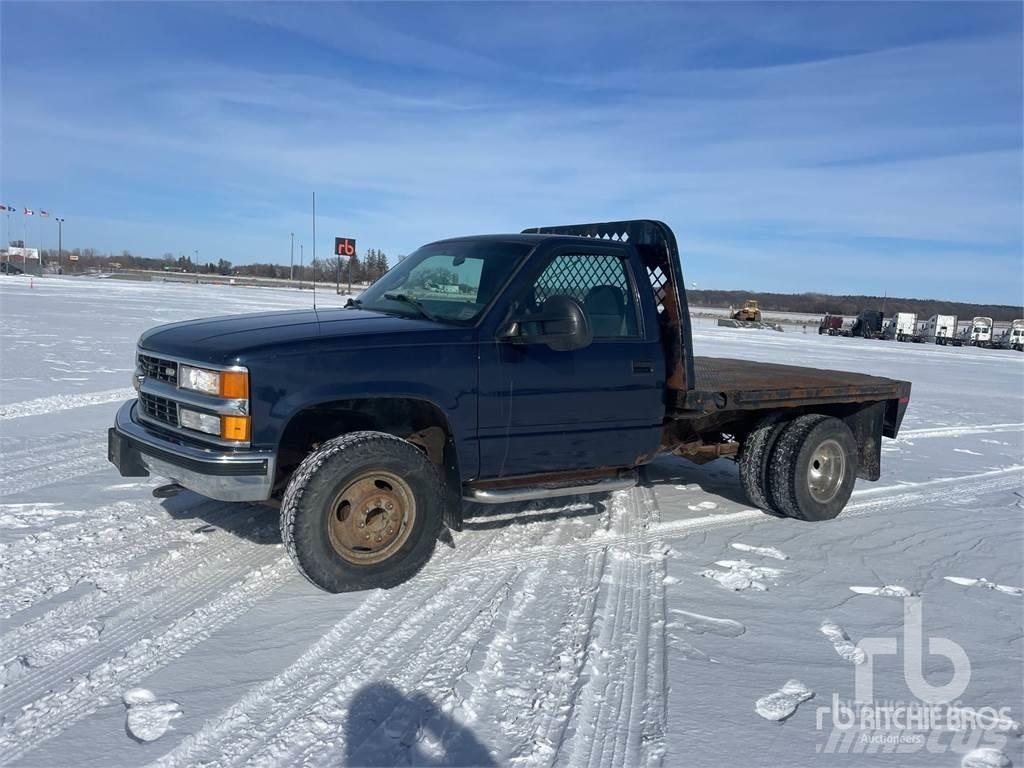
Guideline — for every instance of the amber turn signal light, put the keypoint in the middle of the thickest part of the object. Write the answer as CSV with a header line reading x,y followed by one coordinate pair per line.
x,y
234,427
234,384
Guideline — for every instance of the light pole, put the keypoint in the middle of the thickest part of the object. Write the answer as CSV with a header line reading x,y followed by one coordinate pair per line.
x,y
60,245
195,265
291,263
301,262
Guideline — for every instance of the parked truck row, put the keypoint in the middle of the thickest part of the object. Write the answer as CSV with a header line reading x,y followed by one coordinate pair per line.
x,y
938,329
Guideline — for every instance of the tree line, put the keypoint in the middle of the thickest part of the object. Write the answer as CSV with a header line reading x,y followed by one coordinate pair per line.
x,y
823,303
372,265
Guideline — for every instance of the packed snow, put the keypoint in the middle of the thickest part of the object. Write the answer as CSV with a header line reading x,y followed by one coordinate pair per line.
x,y
670,624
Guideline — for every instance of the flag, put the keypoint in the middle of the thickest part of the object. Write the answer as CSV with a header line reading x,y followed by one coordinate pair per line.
x,y
43,213
29,212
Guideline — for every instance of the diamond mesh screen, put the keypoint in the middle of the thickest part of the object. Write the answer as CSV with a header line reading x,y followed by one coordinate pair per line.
x,y
576,275
657,277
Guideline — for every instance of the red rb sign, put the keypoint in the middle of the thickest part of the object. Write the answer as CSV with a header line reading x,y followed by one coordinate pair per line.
x,y
344,246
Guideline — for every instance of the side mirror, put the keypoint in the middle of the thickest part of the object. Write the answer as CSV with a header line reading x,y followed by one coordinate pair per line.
x,y
562,325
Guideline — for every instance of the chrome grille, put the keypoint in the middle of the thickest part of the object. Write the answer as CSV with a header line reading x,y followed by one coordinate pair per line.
x,y
159,408
158,369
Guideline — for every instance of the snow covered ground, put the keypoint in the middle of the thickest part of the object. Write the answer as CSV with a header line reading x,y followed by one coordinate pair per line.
x,y
670,624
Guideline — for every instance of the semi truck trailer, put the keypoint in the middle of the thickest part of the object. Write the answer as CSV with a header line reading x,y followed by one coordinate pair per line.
x,y
941,329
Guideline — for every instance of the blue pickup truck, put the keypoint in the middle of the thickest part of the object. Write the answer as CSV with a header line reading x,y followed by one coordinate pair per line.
x,y
491,369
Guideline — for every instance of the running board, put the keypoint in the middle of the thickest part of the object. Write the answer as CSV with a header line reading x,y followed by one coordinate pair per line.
x,y
548,491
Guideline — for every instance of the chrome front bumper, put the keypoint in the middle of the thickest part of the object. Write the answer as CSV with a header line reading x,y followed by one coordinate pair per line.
x,y
226,475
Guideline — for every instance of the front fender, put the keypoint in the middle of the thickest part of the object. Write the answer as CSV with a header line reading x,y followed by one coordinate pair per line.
x,y
443,375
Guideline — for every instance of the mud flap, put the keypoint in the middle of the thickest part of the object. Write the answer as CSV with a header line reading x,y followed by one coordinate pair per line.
x,y
866,425
452,488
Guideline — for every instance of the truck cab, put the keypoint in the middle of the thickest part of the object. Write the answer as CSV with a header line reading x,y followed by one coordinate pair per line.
x,y
869,324
1013,337
494,368
980,333
902,326
941,329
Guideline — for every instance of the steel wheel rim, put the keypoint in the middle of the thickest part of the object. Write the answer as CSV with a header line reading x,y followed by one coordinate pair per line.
x,y
826,471
371,518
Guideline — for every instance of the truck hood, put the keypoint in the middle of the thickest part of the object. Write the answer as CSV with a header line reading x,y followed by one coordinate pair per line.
x,y
228,339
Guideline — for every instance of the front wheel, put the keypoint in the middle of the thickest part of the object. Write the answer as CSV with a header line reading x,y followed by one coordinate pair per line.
x,y
813,468
363,511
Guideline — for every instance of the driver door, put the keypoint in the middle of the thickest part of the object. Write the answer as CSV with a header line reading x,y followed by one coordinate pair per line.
x,y
543,410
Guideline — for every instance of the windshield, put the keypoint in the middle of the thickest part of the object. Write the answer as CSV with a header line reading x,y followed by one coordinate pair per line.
x,y
448,282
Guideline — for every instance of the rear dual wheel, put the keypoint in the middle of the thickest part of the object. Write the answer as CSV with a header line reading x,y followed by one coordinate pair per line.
x,y
804,468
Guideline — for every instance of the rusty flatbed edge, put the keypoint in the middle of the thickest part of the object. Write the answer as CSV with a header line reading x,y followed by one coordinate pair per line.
x,y
747,384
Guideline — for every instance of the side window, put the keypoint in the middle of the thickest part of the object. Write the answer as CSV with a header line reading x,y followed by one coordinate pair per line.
x,y
600,283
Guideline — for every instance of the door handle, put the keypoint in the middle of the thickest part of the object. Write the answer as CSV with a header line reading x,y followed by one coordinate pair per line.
x,y
643,366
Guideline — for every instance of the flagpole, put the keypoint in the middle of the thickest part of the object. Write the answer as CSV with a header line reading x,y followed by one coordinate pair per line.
x,y
60,245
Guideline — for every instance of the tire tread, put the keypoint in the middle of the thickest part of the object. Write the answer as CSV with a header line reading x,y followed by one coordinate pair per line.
x,y
753,461
783,467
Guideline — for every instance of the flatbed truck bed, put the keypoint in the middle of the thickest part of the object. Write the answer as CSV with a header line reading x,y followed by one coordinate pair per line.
x,y
744,384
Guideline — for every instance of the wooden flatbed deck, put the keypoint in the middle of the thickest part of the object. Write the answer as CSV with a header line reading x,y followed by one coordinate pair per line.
x,y
743,384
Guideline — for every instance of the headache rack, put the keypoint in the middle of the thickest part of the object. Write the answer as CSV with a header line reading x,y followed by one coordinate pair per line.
x,y
656,244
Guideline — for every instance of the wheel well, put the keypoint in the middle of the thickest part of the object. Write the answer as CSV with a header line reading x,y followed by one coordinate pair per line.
x,y
421,422
415,420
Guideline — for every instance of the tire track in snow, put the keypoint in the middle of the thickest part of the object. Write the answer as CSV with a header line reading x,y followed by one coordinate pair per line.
x,y
539,738
431,667
436,669
56,710
968,429
177,570
299,700
888,497
70,465
145,618
42,446
57,458
540,604
300,713
54,403
89,549
442,651
618,716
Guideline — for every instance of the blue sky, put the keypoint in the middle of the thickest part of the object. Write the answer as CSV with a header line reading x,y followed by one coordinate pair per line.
x,y
857,147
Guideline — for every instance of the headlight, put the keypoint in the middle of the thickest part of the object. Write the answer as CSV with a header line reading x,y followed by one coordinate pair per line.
x,y
233,384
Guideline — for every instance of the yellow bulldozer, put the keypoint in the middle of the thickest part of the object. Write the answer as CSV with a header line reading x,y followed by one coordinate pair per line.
x,y
747,316
748,313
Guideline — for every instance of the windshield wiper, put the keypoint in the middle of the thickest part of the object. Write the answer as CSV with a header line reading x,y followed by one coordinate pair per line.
x,y
414,303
